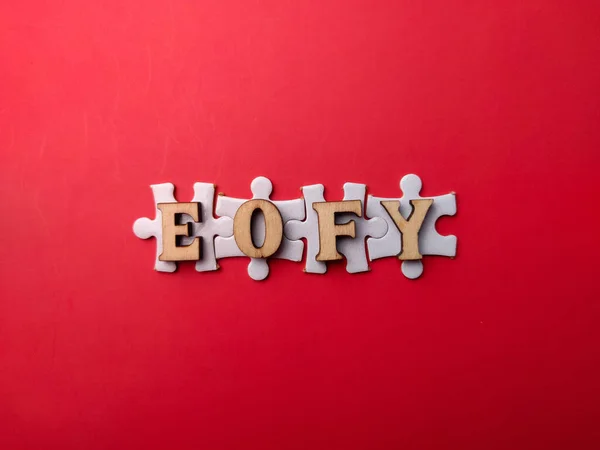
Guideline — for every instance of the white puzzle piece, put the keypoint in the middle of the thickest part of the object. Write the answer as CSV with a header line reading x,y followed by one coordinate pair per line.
x,y
145,228
261,188
210,227
430,241
352,248
309,228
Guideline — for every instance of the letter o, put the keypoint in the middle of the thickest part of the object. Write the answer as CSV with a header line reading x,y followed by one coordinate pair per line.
x,y
242,228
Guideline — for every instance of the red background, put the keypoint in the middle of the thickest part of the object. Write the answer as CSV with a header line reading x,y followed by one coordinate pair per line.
x,y
496,100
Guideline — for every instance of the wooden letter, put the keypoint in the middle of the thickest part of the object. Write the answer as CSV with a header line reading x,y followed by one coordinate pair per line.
x,y
329,230
409,229
242,228
171,232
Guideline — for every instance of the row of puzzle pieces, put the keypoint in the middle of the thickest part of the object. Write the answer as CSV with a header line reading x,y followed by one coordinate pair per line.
x,y
301,221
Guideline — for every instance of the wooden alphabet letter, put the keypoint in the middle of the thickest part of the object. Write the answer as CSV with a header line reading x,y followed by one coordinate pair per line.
x,y
171,232
242,228
329,230
409,229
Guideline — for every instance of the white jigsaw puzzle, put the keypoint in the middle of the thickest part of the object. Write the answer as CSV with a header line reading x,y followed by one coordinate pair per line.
x,y
352,248
376,227
207,229
430,241
308,229
226,247
145,228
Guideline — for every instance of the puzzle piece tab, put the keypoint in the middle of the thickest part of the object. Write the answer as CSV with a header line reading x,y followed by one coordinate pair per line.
x,y
226,247
206,229
430,241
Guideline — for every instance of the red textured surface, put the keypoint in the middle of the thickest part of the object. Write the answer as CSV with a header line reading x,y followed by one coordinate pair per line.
x,y
496,100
